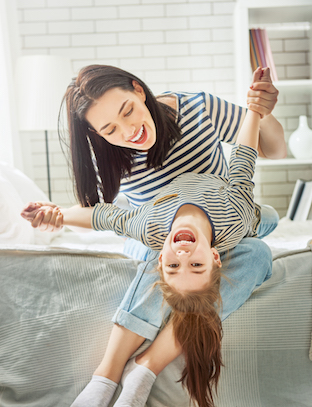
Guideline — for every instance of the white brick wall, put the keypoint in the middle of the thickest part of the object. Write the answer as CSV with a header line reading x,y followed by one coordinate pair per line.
x,y
291,54
274,185
172,45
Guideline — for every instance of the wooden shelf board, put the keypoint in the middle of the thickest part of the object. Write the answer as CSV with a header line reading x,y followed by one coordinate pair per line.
x,y
262,162
296,85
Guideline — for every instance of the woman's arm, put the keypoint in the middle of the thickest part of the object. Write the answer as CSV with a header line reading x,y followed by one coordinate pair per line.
x,y
272,143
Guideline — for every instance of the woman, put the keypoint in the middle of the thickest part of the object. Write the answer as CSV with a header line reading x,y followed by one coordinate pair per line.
x,y
123,139
142,137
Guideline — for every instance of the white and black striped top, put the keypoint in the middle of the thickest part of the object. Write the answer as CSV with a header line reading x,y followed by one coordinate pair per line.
x,y
205,121
228,203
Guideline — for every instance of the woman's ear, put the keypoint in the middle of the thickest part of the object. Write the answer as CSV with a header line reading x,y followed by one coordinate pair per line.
x,y
216,257
139,90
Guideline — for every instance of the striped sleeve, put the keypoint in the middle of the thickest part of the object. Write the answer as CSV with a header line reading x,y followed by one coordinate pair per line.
x,y
122,221
226,117
242,167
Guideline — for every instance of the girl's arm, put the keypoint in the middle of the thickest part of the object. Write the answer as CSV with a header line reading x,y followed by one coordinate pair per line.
x,y
249,132
261,98
77,216
49,217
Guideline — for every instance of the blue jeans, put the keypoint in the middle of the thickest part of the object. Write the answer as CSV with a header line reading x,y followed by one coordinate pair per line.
x,y
247,266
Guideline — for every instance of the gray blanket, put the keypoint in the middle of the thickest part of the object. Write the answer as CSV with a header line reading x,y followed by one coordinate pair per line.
x,y
55,312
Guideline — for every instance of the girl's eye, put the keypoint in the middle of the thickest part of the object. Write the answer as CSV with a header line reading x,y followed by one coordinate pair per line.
x,y
111,132
130,111
173,266
196,264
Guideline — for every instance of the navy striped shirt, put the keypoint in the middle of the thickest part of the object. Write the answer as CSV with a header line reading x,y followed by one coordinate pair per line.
x,y
228,203
205,121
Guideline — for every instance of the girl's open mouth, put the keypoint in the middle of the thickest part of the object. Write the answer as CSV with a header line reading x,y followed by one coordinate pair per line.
x,y
184,237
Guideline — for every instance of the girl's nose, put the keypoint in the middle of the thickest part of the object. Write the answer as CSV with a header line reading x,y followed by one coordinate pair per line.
x,y
183,252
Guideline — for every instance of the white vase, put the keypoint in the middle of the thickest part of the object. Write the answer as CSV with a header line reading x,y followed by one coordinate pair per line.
x,y
300,142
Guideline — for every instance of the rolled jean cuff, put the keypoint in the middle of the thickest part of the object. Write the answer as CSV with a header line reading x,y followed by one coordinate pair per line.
x,y
135,324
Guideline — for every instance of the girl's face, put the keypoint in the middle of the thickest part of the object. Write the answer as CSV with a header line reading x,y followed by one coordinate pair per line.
x,y
123,119
187,259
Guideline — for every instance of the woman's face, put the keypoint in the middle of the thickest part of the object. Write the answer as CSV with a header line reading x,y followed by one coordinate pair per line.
x,y
123,119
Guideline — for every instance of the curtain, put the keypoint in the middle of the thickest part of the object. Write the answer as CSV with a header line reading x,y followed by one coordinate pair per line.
x,y
10,146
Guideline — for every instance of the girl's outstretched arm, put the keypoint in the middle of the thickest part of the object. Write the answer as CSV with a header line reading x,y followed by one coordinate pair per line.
x,y
249,132
261,98
49,217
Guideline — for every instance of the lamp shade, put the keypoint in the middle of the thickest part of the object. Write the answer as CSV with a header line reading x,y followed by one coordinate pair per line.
x,y
41,82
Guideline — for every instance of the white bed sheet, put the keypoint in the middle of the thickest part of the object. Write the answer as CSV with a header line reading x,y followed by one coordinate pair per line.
x,y
289,235
94,241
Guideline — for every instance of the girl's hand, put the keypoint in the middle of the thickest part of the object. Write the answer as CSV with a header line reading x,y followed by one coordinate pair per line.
x,y
262,95
45,216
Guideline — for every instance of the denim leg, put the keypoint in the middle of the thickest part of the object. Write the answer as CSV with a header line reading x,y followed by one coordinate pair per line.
x,y
135,249
269,221
247,266
142,310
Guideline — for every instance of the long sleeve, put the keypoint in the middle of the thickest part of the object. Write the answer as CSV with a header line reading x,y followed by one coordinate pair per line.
x,y
129,223
226,117
242,167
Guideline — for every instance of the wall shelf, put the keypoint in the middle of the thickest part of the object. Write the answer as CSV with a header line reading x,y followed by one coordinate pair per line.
x,y
263,162
250,13
303,86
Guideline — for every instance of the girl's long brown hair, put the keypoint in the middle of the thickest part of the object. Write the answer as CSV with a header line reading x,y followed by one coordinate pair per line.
x,y
197,327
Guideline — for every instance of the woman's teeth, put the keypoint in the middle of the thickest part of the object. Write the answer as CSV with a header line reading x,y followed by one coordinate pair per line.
x,y
138,136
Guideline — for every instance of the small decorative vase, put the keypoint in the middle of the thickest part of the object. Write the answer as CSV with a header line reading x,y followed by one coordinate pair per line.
x,y
300,142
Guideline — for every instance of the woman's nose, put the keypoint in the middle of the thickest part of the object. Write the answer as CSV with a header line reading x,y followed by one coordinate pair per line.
x,y
128,132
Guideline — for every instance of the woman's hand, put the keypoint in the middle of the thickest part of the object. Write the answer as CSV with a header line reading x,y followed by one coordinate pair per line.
x,y
262,97
45,216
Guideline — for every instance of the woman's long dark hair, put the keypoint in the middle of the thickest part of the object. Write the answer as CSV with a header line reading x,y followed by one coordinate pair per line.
x,y
197,328
113,162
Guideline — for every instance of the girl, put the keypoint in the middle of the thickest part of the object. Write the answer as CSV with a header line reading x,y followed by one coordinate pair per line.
x,y
191,229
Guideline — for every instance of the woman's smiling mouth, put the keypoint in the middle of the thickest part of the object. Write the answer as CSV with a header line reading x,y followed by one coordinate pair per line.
x,y
140,137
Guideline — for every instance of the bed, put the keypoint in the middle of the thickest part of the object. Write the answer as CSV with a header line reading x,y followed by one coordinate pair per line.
x,y
59,291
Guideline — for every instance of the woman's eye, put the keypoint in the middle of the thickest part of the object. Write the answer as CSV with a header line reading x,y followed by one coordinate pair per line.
x,y
111,132
196,264
173,266
130,111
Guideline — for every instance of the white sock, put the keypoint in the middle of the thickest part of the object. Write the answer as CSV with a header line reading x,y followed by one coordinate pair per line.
x,y
97,393
137,382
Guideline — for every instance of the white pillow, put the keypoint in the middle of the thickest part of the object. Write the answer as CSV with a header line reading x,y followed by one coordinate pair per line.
x,y
13,228
22,190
